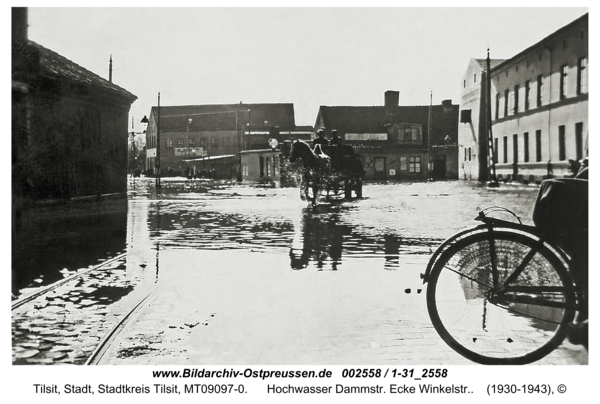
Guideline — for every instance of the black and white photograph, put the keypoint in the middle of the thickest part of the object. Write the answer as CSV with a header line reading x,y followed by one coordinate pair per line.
x,y
307,201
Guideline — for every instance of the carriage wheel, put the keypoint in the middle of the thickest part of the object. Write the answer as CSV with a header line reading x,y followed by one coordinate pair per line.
x,y
358,188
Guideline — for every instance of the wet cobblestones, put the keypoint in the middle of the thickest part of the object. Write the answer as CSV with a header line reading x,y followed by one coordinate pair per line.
x,y
65,325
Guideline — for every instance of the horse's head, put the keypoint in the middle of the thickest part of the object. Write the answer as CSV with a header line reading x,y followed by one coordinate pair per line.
x,y
295,151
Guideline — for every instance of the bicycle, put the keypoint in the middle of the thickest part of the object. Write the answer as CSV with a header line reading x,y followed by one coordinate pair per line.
x,y
504,292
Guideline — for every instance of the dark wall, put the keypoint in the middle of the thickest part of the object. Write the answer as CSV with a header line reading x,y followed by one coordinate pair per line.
x,y
68,141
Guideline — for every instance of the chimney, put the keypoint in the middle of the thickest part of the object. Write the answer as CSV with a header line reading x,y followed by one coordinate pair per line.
x,y
110,69
447,105
391,102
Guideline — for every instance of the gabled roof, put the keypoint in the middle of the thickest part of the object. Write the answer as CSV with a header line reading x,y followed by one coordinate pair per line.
x,y
224,117
376,119
493,63
57,67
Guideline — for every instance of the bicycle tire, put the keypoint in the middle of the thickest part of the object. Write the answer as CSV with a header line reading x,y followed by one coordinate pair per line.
x,y
518,330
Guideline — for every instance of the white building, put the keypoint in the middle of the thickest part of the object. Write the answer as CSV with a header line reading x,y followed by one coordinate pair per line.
x,y
539,108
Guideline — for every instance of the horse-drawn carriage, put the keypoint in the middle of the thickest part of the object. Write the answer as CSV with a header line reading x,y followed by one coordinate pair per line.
x,y
329,168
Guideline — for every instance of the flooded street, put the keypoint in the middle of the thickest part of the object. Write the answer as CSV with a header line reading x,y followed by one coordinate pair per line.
x,y
247,275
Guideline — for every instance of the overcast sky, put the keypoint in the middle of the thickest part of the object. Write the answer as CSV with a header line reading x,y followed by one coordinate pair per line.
x,y
305,56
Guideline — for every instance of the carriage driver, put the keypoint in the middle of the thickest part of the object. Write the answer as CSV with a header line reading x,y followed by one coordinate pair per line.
x,y
335,139
320,141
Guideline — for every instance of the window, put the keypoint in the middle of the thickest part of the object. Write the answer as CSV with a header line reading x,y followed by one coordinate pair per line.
x,y
179,142
203,142
526,147
516,104
505,149
539,90
407,134
414,164
403,163
469,154
579,141
515,149
538,145
191,143
214,142
527,94
496,151
497,105
464,83
581,76
169,143
562,153
245,170
465,154
475,78
506,103
563,81
267,166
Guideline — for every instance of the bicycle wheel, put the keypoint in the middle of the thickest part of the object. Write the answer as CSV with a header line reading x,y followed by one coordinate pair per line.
x,y
517,318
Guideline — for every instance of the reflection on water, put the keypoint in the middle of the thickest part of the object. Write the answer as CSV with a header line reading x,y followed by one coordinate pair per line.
x,y
48,241
319,239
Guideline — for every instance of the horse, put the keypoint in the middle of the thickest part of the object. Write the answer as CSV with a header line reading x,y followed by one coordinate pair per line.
x,y
316,170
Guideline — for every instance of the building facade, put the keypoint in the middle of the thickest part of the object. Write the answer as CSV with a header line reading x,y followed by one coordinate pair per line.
x,y
207,131
472,153
69,125
539,109
397,142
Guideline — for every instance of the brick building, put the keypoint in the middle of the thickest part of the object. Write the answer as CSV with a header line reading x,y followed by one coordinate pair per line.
x,y
192,132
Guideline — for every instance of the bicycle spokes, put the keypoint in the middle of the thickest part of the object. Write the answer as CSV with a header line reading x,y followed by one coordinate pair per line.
x,y
506,299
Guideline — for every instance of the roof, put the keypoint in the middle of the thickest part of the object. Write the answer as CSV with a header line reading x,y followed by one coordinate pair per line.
x,y
376,119
224,117
54,66
493,62
551,37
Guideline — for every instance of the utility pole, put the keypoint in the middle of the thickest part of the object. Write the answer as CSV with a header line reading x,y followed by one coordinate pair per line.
x,y
493,181
157,160
429,156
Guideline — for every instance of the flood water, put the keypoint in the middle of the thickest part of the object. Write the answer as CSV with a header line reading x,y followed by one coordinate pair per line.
x,y
391,220
254,232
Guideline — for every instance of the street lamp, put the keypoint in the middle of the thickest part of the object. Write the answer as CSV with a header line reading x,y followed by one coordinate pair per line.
x,y
131,136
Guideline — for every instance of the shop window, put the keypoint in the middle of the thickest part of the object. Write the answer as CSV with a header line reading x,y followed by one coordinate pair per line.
x,y
403,163
414,164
